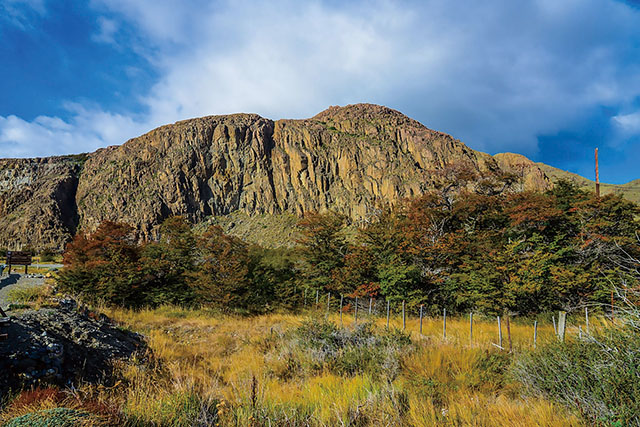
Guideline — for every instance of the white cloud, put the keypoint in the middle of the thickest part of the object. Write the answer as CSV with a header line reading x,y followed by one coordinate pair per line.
x,y
107,29
628,123
495,74
47,136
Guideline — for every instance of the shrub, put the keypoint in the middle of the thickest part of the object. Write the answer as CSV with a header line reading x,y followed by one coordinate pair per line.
x,y
599,376
318,345
57,417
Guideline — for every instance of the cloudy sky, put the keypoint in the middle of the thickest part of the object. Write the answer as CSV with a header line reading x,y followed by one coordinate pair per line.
x,y
550,79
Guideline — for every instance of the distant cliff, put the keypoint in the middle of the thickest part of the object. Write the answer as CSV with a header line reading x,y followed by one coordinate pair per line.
x,y
350,159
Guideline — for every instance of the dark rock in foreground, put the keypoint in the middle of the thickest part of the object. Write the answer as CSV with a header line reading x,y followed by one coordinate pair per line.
x,y
62,346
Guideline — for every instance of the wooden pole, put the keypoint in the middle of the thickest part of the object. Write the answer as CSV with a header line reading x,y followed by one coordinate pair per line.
x,y
317,297
388,312
444,324
555,328
535,333
404,319
586,318
420,319
509,333
471,328
499,333
356,311
370,304
597,176
562,323
341,301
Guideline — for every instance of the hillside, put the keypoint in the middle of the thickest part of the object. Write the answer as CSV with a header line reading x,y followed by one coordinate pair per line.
x,y
350,159
630,190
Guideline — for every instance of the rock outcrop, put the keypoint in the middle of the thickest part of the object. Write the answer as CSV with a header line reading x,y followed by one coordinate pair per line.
x,y
62,346
351,159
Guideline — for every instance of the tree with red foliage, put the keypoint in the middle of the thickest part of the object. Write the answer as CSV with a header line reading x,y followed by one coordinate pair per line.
x,y
103,265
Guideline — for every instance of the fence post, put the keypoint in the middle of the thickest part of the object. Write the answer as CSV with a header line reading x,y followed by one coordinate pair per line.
x,y
586,316
404,322
444,324
317,298
388,312
370,304
471,328
341,301
499,333
535,333
555,328
562,324
509,333
356,311
420,319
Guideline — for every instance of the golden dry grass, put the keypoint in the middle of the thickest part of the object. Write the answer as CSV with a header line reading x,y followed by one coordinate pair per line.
x,y
224,366
217,357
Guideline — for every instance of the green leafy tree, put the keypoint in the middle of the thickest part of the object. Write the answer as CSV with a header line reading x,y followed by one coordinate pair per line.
x,y
220,278
323,248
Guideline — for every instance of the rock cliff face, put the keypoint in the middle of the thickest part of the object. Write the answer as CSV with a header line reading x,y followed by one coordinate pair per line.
x,y
350,159
37,201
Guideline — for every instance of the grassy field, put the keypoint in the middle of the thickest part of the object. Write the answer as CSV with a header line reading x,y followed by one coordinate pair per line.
x,y
211,369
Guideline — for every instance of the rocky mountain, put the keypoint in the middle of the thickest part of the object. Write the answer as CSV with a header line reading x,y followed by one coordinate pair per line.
x,y
351,159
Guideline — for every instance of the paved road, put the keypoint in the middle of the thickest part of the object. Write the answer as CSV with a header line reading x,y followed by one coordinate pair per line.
x,y
13,281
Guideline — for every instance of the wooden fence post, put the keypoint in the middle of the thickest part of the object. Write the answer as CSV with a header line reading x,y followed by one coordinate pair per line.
x,y
586,317
444,324
370,304
388,312
420,319
535,333
404,321
555,328
509,333
471,328
562,324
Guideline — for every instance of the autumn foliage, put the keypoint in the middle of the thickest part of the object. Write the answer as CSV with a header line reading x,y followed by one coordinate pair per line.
x,y
484,251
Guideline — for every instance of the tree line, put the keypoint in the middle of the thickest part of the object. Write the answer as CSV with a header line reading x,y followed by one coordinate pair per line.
x,y
467,250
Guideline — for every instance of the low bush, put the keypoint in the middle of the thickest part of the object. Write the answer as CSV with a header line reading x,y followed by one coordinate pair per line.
x,y
598,376
319,345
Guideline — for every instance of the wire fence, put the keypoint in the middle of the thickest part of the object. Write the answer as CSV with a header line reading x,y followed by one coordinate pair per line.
x,y
415,321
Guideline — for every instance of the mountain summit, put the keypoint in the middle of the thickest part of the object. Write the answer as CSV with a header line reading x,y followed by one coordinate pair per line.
x,y
350,159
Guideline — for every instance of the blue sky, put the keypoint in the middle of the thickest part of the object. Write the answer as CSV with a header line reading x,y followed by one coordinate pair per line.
x,y
548,79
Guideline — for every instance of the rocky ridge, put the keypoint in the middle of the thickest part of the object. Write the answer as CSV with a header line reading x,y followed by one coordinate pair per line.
x,y
62,345
350,159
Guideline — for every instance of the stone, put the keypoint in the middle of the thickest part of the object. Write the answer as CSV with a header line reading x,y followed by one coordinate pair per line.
x,y
351,159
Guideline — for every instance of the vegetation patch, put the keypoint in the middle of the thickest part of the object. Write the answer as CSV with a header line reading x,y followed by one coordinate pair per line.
x,y
321,346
